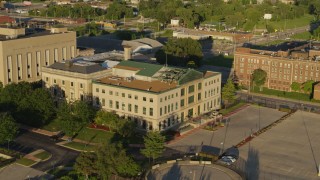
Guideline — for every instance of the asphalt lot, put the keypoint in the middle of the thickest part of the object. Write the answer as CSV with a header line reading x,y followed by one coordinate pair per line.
x,y
287,151
26,142
11,172
241,125
189,172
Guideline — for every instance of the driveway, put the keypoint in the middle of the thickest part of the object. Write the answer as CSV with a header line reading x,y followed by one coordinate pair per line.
x,y
27,142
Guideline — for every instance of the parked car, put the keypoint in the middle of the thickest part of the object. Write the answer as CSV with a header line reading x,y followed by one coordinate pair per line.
x,y
227,160
57,136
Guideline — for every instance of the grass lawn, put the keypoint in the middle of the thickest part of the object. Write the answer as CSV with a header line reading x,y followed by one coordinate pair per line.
x,y
43,155
52,126
167,33
289,95
80,146
94,135
305,35
223,61
25,162
287,24
232,108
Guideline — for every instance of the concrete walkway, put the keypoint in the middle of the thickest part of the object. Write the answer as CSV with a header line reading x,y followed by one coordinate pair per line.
x,y
203,125
49,133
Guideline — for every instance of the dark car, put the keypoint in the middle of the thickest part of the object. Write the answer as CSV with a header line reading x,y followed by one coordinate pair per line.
x,y
57,136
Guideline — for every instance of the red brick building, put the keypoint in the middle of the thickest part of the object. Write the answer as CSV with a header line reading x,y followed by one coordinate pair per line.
x,y
316,91
296,64
6,19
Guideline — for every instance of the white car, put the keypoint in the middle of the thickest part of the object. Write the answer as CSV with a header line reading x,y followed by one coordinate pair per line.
x,y
228,158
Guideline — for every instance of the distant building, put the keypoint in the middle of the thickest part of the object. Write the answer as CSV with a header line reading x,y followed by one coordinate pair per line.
x,y
7,20
175,22
299,62
23,52
316,91
144,45
157,97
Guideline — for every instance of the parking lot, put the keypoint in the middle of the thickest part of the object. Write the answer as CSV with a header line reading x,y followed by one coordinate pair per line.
x,y
240,125
290,150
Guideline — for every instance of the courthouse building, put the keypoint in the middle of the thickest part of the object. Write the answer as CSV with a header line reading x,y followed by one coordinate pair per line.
x,y
23,52
157,97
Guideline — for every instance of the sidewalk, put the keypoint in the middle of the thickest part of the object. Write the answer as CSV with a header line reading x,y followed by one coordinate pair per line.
x,y
49,133
203,125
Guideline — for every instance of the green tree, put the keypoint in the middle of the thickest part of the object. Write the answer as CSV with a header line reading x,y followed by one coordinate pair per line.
x,y
112,159
154,145
259,77
308,86
125,128
107,119
74,115
295,86
228,92
8,128
86,164
179,52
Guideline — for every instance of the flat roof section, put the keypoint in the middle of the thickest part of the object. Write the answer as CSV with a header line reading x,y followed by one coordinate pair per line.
x,y
151,86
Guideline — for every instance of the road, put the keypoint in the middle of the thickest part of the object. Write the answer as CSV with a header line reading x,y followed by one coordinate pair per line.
x,y
275,102
26,142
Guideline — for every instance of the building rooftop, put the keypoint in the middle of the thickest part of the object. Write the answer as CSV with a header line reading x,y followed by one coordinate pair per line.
x,y
29,34
83,67
162,78
146,69
151,86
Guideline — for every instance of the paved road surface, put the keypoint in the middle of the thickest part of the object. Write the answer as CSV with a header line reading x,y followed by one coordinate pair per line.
x,y
29,141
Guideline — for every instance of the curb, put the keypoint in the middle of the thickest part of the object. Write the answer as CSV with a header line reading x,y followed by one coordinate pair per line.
x,y
203,125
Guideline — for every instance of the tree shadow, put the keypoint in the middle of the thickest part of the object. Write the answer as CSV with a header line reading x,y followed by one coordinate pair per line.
x,y
252,165
173,173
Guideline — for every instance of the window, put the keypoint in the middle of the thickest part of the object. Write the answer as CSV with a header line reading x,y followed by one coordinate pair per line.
x,y
117,93
97,89
160,99
182,92
165,109
182,103
151,99
47,79
110,104
117,105
176,105
123,95
54,81
110,92
129,96
103,91
190,99
136,108
151,111
103,102
199,86
123,106
191,89
161,111
136,97
71,84
144,110
199,96
172,95
171,106
129,107
144,99
62,82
